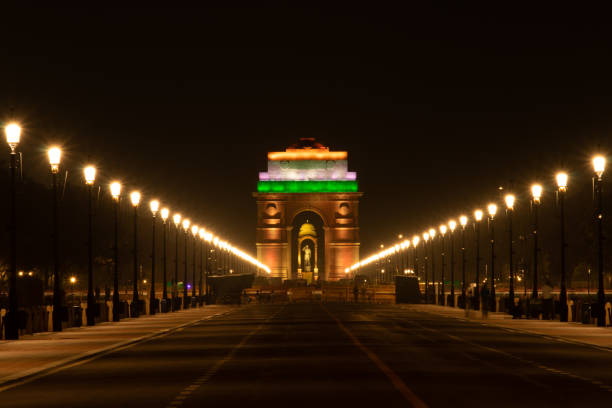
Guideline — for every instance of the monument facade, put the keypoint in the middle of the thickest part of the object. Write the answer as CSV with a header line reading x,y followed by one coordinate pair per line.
x,y
308,213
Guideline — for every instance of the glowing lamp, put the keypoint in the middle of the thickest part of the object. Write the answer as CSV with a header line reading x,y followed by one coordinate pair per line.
x,y
443,229
186,224
202,233
90,174
13,135
463,220
177,219
425,236
509,199
115,189
478,215
194,230
55,154
561,178
432,233
135,198
415,240
73,279
452,225
154,204
599,165
492,208
536,192
165,213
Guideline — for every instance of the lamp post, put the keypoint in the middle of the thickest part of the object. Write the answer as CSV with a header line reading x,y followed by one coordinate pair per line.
x,y
164,215
90,177
186,224
202,234
194,231
492,208
452,224
510,199
425,239
599,165
432,236
478,214
175,297
115,188
54,160
154,204
561,191
135,199
13,136
463,221
400,258
442,297
415,260
536,194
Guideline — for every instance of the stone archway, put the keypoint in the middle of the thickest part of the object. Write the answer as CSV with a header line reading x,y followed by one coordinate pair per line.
x,y
308,228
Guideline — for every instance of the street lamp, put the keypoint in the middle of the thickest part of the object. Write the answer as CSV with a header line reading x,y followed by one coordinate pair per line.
x,y
54,161
90,177
510,199
202,234
492,208
135,199
175,297
425,240
164,215
115,188
561,191
452,224
463,221
415,244
432,236
186,224
599,165
12,132
194,231
478,214
536,194
441,296
154,205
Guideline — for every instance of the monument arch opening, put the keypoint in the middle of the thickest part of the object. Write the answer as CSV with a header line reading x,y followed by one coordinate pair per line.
x,y
308,253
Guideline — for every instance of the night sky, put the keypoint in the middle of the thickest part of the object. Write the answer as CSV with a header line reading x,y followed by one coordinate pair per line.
x,y
436,106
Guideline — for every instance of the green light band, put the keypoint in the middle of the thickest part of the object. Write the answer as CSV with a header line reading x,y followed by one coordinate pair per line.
x,y
310,186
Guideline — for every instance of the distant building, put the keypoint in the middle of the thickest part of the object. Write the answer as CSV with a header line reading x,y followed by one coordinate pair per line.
x,y
308,213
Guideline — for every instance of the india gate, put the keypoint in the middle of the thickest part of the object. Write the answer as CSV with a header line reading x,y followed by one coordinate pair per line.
x,y
308,213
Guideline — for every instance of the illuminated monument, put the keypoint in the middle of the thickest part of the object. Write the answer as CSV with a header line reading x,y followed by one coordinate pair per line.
x,y
308,213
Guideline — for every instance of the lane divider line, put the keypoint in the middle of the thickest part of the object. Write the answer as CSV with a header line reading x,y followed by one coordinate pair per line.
x,y
196,384
395,379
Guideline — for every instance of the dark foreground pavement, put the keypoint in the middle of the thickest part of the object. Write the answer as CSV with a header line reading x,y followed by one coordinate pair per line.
x,y
309,355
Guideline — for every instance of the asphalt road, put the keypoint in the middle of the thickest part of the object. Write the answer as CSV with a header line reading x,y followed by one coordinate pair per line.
x,y
312,355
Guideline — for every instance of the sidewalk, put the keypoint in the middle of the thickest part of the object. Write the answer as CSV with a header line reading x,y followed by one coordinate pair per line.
x,y
39,353
600,337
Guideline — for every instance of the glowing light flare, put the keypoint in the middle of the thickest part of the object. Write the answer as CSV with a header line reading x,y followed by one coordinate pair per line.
x,y
90,174
115,189
165,213
561,179
135,198
432,233
443,229
599,165
194,230
177,219
452,225
55,155
478,215
415,241
13,135
536,192
186,224
425,236
492,208
463,220
154,205
509,199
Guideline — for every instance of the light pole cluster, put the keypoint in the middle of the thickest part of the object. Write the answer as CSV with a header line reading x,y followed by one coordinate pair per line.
x,y
434,243
234,257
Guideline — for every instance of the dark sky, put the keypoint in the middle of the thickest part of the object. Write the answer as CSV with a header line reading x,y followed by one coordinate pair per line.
x,y
437,106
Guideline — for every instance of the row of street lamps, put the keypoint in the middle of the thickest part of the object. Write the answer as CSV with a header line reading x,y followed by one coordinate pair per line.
x,y
232,257
561,178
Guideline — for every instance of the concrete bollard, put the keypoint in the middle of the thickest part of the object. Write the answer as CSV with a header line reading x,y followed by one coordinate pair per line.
x,y
570,316
608,309
49,318
109,305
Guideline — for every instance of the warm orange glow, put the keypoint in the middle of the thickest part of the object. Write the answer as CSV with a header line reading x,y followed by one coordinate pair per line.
x,y
307,154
